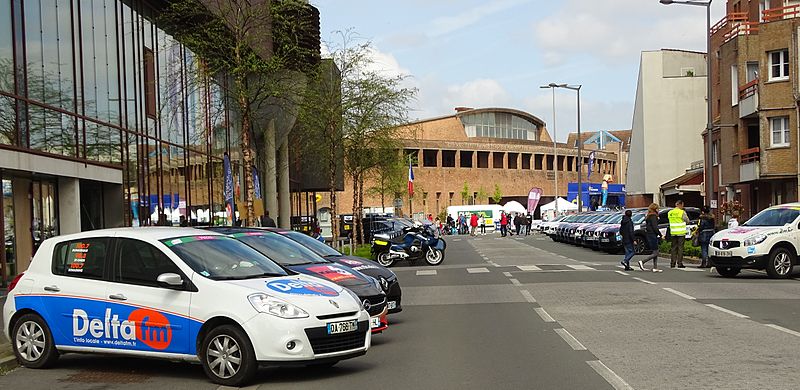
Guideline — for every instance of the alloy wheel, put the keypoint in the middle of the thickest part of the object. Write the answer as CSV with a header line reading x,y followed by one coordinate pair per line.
x,y
782,264
30,341
224,356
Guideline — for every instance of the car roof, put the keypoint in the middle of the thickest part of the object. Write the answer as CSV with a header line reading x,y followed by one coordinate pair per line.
x,y
152,233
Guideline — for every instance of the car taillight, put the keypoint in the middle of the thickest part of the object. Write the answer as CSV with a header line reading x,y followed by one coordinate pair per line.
x,y
14,282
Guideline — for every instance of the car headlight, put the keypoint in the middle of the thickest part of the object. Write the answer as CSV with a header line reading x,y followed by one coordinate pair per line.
x,y
755,240
279,308
357,299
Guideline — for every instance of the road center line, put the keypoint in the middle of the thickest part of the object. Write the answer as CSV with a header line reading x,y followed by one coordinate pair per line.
x,y
610,376
724,310
528,296
622,273
785,330
570,339
678,293
544,315
515,282
644,281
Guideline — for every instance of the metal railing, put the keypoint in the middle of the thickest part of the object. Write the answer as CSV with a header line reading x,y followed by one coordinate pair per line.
x,y
727,22
787,12
741,28
749,89
750,155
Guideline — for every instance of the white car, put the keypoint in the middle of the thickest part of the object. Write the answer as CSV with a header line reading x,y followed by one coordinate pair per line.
x,y
768,241
178,294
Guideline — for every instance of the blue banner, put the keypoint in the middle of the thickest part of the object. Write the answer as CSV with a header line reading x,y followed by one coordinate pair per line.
x,y
591,165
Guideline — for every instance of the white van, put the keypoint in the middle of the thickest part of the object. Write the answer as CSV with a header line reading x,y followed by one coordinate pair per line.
x,y
490,212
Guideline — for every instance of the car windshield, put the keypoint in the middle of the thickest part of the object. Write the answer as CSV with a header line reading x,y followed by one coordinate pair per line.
x,y
773,217
223,258
617,219
284,250
314,245
638,218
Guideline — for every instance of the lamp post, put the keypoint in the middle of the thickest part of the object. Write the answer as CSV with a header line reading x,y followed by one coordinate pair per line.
x,y
577,88
553,87
709,119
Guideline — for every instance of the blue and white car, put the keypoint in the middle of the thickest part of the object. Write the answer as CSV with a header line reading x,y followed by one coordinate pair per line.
x,y
178,294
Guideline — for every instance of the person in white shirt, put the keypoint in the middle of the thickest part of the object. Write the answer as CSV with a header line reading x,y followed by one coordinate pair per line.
x,y
482,224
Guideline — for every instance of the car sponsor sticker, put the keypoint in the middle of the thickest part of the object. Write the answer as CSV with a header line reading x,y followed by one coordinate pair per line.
x,y
301,287
77,253
185,240
351,262
751,250
332,273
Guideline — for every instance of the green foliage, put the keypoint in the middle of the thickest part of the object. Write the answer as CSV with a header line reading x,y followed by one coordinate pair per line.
x,y
688,249
362,251
498,194
483,196
465,193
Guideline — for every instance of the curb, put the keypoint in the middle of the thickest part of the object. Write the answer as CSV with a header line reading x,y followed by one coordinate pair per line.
x,y
8,361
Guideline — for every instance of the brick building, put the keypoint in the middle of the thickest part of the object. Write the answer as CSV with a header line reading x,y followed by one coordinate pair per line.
x,y
755,104
484,147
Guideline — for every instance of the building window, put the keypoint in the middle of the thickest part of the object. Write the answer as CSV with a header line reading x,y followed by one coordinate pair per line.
x,y
149,84
429,158
512,160
448,158
483,159
779,65
526,161
734,85
780,130
538,162
715,153
497,159
466,158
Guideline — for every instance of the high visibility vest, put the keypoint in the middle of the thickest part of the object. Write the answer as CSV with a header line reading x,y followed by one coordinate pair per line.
x,y
677,227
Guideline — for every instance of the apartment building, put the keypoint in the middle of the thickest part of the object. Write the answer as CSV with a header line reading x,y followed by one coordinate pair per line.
x,y
754,94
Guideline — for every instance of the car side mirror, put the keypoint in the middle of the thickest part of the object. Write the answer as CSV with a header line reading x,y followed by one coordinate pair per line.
x,y
170,280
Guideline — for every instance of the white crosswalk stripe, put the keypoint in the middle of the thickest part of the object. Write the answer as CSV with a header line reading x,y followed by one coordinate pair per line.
x,y
580,267
477,270
528,268
426,272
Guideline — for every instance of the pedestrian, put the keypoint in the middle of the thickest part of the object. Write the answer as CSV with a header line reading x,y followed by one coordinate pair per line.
x,y
482,223
626,231
518,223
267,221
430,217
462,224
529,219
473,223
705,231
503,224
677,232
653,237
510,225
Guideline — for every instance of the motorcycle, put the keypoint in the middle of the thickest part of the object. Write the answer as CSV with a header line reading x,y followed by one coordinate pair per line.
x,y
413,244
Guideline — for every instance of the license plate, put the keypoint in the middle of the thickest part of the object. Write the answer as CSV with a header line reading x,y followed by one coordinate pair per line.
x,y
724,253
379,242
342,327
374,322
604,240
346,227
392,305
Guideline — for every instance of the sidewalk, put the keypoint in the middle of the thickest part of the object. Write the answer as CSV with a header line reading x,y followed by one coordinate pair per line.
x,y
7,360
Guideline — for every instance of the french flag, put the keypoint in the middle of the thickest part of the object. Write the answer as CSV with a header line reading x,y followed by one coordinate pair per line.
x,y
410,179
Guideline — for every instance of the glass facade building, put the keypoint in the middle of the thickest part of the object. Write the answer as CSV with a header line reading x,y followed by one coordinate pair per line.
x,y
99,85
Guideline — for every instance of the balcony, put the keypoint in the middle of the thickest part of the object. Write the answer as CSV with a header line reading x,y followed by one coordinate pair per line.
x,y
787,12
749,167
748,100
728,22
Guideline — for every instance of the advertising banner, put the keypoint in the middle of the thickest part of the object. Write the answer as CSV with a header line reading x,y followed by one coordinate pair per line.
x,y
591,165
533,199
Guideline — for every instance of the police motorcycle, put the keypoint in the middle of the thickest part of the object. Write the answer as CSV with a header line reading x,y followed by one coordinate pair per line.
x,y
412,244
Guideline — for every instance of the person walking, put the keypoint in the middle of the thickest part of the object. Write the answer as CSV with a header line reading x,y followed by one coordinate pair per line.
x,y
705,231
677,232
626,231
653,237
518,223
267,221
529,220
503,224
482,223
473,223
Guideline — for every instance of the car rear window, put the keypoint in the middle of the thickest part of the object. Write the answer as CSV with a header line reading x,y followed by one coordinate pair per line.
x,y
81,258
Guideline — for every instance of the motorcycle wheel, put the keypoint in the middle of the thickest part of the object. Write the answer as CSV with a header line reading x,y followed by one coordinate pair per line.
x,y
434,256
384,259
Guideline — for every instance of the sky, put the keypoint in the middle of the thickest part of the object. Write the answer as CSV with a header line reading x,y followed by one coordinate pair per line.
x,y
497,53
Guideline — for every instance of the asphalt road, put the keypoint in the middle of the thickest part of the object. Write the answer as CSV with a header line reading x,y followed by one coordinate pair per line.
x,y
530,314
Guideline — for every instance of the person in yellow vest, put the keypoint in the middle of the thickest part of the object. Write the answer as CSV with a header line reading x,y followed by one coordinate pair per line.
x,y
677,232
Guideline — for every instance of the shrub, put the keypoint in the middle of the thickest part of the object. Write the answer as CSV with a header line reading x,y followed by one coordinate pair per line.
x,y
688,249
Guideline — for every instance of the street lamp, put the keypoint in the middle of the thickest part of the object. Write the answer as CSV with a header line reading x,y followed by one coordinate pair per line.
x,y
577,88
709,119
553,86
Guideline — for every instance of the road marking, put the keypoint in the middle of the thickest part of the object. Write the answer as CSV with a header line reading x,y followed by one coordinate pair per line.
x,y
543,314
724,310
520,239
528,296
785,330
610,376
580,267
456,239
645,281
528,268
477,270
515,282
507,274
622,273
570,339
692,269
426,273
678,293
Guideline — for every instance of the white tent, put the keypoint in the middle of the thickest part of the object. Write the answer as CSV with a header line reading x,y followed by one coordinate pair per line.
x,y
514,207
563,205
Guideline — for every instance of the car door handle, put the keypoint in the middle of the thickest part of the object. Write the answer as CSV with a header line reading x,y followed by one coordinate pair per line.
x,y
118,297
52,288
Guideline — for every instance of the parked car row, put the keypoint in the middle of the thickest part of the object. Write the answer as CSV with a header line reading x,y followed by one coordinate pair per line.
x,y
231,299
599,230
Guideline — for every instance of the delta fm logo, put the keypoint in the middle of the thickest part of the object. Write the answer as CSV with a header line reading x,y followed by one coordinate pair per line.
x,y
301,287
332,273
149,327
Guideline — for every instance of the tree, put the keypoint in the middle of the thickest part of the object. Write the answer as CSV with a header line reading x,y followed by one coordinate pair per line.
x,y
464,193
498,194
483,196
389,177
247,49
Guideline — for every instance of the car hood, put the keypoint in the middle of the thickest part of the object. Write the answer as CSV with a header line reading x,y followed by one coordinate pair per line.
x,y
346,277
309,293
611,227
365,266
742,233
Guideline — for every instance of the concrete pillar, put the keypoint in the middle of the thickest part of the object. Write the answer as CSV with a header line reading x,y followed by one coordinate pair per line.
x,y
113,203
69,205
22,222
284,195
270,190
458,159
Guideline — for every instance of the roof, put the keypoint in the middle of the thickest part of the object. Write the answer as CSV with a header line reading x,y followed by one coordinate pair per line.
x,y
151,233
622,135
468,111
694,177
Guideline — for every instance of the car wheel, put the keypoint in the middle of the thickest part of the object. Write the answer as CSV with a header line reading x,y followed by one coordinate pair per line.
x,y
228,357
33,342
728,272
385,260
780,263
434,256
639,245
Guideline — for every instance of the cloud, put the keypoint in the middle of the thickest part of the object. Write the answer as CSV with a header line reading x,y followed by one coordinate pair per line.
x,y
476,93
449,24
385,63
601,114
